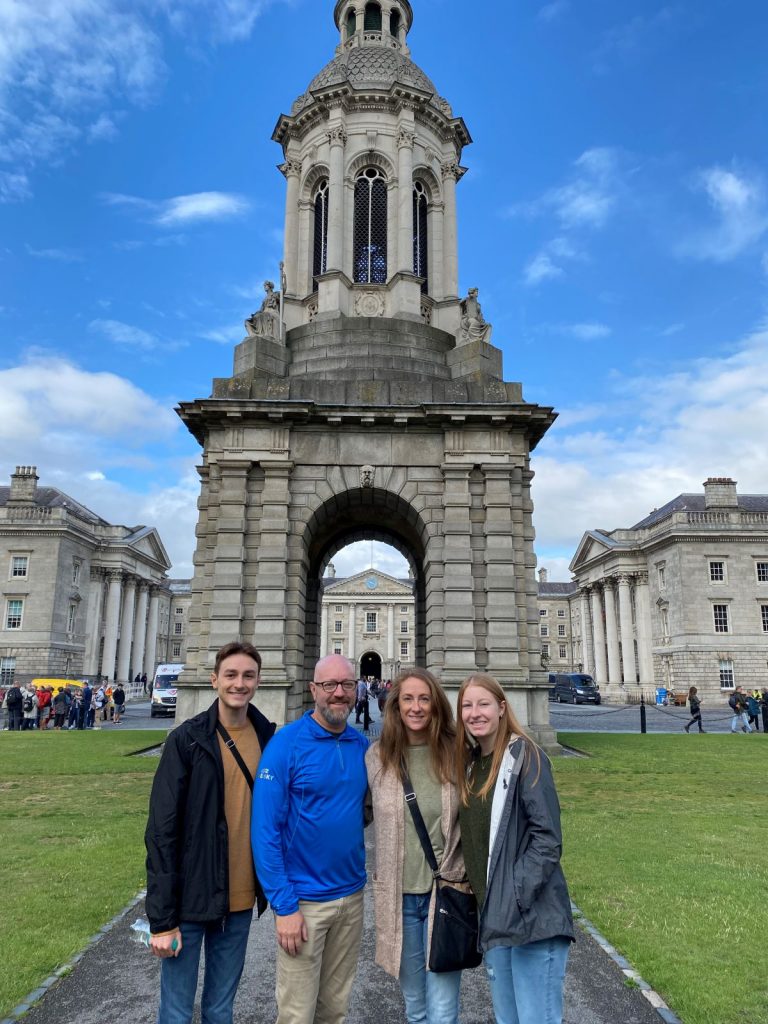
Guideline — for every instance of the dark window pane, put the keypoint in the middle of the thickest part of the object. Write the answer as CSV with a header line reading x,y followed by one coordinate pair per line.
x,y
351,24
370,229
420,247
372,18
320,260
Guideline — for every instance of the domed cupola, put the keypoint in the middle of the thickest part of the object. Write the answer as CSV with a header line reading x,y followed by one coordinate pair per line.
x,y
372,157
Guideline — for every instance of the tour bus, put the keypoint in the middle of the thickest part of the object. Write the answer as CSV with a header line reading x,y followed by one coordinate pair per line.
x,y
164,690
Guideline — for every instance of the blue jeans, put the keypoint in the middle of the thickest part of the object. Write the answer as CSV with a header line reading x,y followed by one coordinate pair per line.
x,y
740,722
527,981
429,998
224,960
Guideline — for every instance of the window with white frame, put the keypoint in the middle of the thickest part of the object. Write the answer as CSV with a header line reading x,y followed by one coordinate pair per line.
x,y
543,612
727,681
337,625
561,613
403,648
563,650
403,609
720,615
404,625
178,628
661,577
71,616
545,650
77,566
337,649
19,567
717,572
179,610
339,608
544,630
371,622
7,670
561,630
764,616
14,613
762,572
176,651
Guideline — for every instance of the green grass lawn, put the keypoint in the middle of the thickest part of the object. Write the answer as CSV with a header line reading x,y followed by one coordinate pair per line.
x,y
666,843
73,807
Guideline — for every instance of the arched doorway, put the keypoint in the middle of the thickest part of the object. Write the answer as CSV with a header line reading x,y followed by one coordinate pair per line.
x,y
370,665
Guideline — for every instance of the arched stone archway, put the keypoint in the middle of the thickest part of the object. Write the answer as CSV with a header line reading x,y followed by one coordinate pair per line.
x,y
370,665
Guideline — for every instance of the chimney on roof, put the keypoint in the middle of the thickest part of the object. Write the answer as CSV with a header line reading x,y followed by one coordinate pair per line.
x,y
543,576
23,486
720,492
330,572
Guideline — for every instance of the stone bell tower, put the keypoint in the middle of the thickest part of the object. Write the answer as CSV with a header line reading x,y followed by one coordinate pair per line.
x,y
366,401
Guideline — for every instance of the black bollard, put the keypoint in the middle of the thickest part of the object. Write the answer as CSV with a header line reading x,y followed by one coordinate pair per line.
x,y
642,714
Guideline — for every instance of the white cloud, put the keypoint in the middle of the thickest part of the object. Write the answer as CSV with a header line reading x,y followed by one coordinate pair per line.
x,y
672,330
57,255
588,331
230,334
14,188
124,334
363,554
675,430
541,268
103,129
585,201
199,206
553,11
737,201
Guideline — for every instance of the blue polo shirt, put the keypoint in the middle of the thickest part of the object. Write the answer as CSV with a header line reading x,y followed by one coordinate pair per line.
x,y
307,816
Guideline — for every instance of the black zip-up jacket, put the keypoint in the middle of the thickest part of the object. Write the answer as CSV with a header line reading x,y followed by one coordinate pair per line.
x,y
186,838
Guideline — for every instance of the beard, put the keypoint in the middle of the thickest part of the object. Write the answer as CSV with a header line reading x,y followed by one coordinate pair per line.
x,y
336,715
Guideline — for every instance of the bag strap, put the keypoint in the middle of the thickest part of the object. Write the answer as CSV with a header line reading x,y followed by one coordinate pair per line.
x,y
418,824
230,743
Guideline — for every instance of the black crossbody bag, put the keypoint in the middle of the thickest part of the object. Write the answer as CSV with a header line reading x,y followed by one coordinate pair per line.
x,y
229,742
456,926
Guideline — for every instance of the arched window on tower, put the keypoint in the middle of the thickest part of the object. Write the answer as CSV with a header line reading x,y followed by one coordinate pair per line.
x,y
394,24
372,18
320,258
420,242
351,22
370,246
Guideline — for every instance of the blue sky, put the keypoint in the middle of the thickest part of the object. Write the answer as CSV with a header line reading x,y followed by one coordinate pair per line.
x,y
614,217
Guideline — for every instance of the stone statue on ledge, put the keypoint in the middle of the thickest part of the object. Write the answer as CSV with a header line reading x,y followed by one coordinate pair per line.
x,y
473,324
265,323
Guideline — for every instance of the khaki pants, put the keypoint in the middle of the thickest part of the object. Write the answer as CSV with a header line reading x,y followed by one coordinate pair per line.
x,y
314,987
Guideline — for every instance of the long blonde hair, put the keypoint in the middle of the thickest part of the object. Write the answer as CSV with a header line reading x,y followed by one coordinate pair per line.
x,y
466,748
441,731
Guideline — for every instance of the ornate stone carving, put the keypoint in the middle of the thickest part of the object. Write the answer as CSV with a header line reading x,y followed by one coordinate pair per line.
x,y
367,476
405,137
337,136
426,312
473,324
264,323
291,168
443,106
451,169
369,304
312,309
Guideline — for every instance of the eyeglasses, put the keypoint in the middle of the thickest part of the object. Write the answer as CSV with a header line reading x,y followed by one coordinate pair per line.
x,y
347,685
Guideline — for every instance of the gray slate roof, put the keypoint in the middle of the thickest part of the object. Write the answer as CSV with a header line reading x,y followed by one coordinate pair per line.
x,y
695,503
52,497
557,589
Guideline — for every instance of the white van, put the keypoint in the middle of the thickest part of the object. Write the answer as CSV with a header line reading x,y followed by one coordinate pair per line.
x,y
164,690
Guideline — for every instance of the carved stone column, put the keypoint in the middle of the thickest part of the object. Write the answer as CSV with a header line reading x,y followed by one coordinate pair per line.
x,y
627,637
352,631
405,140
115,578
436,213
451,174
140,628
324,630
598,634
587,646
126,630
612,634
93,622
292,171
338,139
459,615
643,622
150,654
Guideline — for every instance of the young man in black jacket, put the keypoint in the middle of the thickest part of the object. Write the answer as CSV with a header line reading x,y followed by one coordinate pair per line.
x,y
201,883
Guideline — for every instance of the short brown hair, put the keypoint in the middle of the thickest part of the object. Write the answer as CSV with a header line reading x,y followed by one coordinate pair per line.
x,y
236,647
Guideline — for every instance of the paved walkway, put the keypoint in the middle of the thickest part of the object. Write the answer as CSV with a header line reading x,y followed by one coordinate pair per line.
x,y
117,982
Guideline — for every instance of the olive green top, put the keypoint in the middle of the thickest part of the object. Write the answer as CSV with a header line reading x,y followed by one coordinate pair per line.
x,y
475,825
417,876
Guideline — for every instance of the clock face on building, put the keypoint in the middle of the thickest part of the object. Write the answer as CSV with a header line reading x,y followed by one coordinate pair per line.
x,y
371,583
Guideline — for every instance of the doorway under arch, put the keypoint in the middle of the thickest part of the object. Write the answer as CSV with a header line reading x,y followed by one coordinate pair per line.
x,y
370,665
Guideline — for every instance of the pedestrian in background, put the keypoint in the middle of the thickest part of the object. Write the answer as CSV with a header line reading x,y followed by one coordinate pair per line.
x,y
417,745
694,702
738,704
118,696
13,701
59,708
511,839
764,708
753,709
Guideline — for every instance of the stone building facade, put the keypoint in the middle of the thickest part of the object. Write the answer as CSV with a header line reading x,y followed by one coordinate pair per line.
x,y
80,597
556,625
366,401
680,599
370,619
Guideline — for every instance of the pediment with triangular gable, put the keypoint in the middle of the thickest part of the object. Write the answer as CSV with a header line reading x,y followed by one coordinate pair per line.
x,y
145,542
371,583
593,545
